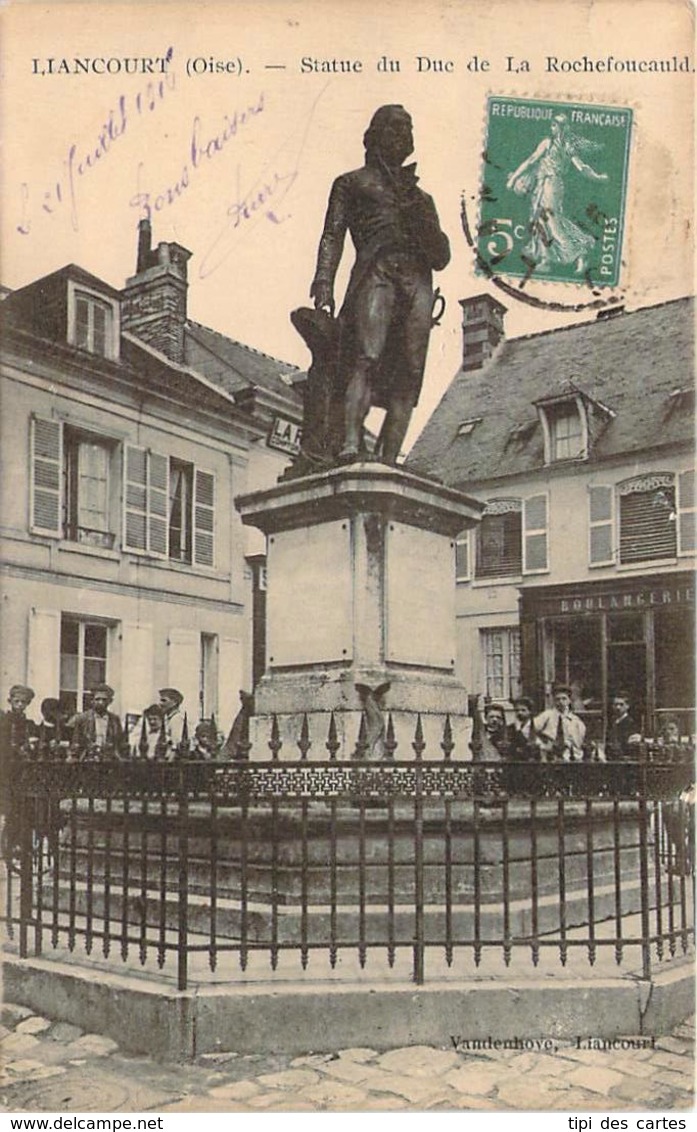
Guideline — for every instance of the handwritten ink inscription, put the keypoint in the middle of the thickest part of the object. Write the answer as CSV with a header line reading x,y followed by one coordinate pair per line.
x,y
203,147
80,160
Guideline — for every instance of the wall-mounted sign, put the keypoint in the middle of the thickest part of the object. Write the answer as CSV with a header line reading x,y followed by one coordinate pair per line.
x,y
610,596
285,435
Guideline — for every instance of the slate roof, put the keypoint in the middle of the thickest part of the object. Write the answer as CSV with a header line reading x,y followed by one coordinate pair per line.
x,y
234,366
630,363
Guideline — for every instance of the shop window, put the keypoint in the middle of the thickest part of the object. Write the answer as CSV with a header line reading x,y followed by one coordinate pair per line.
x,y
70,483
574,651
501,657
169,508
648,518
674,633
83,660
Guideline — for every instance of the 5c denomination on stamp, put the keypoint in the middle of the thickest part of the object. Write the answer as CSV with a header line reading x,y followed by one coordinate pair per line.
x,y
553,192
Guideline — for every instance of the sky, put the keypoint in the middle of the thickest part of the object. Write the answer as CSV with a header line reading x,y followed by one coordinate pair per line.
x,y
233,150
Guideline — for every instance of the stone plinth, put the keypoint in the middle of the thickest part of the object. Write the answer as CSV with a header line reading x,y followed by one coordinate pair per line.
x,y
360,594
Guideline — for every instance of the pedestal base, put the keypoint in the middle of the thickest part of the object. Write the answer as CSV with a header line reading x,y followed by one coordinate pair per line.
x,y
360,608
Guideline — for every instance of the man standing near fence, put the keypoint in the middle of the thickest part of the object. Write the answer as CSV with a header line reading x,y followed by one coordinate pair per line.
x,y
561,734
98,732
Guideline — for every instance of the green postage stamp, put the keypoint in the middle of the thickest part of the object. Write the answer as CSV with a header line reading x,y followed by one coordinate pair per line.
x,y
553,191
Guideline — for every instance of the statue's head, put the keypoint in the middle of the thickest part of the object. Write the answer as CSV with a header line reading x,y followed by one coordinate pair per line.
x,y
389,136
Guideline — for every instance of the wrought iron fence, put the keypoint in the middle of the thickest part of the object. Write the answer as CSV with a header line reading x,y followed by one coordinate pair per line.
x,y
429,856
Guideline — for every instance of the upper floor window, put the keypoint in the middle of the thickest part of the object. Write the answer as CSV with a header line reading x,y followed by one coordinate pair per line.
x,y
565,428
169,507
71,483
648,518
655,514
500,544
512,538
92,322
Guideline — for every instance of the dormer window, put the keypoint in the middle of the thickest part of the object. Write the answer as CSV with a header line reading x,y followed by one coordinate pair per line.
x,y
92,322
565,427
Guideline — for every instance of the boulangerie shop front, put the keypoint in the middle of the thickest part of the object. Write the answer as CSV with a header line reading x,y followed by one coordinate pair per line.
x,y
634,635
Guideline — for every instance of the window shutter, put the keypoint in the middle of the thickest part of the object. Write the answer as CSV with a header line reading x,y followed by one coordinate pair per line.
x,y
535,558
137,678
462,557
499,540
686,512
600,525
204,518
183,669
46,476
648,518
158,503
43,652
146,492
135,495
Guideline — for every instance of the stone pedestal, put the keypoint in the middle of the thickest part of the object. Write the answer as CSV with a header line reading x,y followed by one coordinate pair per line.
x,y
360,595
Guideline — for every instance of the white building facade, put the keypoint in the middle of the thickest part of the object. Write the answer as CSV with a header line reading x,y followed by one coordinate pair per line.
x,y
581,570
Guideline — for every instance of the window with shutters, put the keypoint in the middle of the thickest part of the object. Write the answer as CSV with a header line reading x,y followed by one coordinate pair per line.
x,y
169,508
499,540
501,657
86,467
70,483
181,488
647,518
601,525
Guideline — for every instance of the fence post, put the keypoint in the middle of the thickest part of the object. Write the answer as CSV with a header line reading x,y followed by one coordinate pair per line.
x,y
419,747
25,860
644,872
183,903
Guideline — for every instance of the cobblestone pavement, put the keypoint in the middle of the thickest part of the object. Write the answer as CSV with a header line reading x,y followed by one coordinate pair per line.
x,y
50,1066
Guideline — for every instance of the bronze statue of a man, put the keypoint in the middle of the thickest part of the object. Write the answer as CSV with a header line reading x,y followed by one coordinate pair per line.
x,y
386,318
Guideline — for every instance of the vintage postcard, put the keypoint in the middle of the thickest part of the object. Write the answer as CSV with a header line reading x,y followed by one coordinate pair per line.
x,y
347,445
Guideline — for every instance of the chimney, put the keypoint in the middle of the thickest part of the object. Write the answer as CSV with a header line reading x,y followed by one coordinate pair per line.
x,y
154,299
482,329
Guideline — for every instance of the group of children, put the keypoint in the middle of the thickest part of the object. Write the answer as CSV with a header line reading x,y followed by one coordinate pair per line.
x,y
161,732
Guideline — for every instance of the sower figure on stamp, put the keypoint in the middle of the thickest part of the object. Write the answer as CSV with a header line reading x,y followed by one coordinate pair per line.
x,y
387,314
